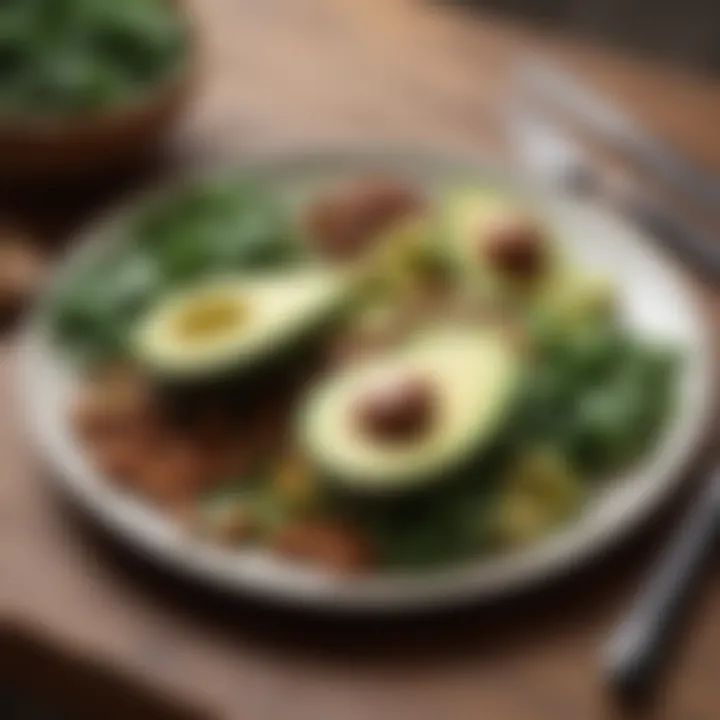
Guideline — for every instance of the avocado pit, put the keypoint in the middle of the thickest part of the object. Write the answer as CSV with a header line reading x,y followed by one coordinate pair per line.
x,y
396,408
513,244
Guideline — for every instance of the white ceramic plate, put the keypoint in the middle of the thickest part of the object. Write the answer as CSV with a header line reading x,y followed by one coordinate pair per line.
x,y
654,300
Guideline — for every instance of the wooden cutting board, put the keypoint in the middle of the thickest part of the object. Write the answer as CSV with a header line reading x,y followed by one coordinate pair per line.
x,y
93,628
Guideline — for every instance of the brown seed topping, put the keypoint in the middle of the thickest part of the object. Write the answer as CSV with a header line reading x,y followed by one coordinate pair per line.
x,y
346,220
332,545
175,472
111,401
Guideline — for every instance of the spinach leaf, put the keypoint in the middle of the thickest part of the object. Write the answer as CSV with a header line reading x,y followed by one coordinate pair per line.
x,y
64,57
210,228
219,227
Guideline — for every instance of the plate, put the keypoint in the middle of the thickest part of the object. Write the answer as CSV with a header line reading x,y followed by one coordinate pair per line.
x,y
654,299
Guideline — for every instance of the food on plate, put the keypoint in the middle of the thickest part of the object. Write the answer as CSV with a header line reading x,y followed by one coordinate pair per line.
x,y
493,241
199,232
514,245
542,489
62,58
410,418
345,221
454,387
232,326
333,545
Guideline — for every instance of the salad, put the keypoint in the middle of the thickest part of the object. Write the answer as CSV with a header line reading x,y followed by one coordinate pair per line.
x,y
378,377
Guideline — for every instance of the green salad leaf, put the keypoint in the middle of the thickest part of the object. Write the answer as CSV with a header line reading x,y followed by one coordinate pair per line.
x,y
209,228
232,225
599,394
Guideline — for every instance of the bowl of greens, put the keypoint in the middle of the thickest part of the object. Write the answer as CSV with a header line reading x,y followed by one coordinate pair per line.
x,y
89,84
367,380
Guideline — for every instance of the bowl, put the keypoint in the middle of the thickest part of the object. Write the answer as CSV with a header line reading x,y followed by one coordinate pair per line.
x,y
34,148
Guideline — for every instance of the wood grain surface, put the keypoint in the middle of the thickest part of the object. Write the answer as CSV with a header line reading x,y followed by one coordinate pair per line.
x,y
95,628
687,33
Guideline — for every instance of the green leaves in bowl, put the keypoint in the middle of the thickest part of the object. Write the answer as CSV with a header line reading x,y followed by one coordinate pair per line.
x,y
71,57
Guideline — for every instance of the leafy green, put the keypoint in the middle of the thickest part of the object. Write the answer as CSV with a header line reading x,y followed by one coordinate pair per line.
x,y
593,398
597,396
219,226
73,56
447,524
209,228
252,492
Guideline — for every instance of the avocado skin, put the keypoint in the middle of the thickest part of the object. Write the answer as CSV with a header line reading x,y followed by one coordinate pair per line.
x,y
467,469
244,382
239,394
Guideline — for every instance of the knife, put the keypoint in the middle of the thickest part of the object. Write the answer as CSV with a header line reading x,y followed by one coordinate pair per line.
x,y
635,648
552,156
544,80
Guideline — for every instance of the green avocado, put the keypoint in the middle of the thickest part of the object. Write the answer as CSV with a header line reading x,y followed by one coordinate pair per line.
x,y
226,326
464,213
575,299
473,374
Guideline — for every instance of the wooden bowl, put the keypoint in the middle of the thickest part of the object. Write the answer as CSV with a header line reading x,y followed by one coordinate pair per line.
x,y
74,147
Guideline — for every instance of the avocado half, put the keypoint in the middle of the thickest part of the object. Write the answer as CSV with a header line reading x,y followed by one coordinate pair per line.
x,y
226,326
475,375
463,213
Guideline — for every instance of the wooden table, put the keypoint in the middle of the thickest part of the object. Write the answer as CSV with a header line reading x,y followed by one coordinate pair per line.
x,y
84,623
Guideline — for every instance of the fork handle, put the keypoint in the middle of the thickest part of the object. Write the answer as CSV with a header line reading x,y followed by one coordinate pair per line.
x,y
686,240
635,647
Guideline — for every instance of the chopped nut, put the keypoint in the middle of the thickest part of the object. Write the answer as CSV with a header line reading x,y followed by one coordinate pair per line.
x,y
120,456
232,460
332,545
113,400
174,472
224,444
344,221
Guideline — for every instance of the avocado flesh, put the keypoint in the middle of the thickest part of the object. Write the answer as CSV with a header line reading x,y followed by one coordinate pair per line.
x,y
464,213
229,325
474,374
